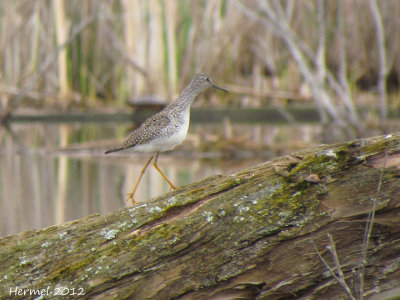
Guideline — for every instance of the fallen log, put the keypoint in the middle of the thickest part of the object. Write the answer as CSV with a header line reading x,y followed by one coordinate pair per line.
x,y
293,227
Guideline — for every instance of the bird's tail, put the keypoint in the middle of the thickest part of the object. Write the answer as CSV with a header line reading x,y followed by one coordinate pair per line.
x,y
113,150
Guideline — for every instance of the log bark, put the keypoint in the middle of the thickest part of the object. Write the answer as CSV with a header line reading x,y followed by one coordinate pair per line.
x,y
259,233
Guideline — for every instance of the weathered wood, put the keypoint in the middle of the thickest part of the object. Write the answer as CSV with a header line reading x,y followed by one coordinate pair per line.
x,y
250,234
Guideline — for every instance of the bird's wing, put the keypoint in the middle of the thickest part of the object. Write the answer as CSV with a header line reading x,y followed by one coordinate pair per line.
x,y
145,133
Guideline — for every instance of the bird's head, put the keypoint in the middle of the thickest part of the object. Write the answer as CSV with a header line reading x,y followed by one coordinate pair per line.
x,y
202,82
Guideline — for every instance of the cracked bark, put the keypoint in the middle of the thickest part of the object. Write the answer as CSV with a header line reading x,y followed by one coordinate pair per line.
x,y
249,234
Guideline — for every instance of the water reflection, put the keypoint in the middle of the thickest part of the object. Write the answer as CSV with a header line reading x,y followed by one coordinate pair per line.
x,y
46,179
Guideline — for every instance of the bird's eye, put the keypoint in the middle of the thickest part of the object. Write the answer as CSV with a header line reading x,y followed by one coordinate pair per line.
x,y
208,79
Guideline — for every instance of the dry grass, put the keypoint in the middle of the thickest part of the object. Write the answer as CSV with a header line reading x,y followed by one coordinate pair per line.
x,y
129,49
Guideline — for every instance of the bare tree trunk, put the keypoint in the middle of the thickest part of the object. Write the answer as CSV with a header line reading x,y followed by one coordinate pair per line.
x,y
294,227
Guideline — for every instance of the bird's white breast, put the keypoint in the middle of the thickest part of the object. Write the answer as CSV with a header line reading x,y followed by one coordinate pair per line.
x,y
168,141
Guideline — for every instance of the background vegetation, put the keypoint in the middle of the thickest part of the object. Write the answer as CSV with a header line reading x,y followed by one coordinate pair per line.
x,y
96,53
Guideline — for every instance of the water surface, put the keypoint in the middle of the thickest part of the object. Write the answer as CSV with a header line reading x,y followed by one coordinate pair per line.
x,y
51,172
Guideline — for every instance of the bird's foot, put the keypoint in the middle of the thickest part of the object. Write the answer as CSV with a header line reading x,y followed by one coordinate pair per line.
x,y
130,200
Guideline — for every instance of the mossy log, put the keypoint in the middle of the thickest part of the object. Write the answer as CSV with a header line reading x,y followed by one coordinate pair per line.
x,y
259,233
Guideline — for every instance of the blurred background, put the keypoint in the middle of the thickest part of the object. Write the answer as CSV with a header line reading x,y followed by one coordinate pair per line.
x,y
77,76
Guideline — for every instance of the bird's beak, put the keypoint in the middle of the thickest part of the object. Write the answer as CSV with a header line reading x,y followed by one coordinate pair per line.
x,y
218,88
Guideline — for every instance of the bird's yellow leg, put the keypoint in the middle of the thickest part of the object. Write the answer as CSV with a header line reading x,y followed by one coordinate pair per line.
x,y
130,196
162,173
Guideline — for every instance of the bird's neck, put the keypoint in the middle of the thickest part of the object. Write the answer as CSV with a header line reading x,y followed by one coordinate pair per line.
x,y
186,98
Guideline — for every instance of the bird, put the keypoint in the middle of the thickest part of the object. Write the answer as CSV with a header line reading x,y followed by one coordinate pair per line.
x,y
166,129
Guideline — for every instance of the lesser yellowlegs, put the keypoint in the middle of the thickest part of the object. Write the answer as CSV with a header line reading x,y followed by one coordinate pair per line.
x,y
166,129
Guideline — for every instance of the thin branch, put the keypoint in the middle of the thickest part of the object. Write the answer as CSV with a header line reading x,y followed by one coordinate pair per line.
x,y
13,90
342,72
332,250
340,279
383,69
320,60
368,230
341,86
119,46
290,5
287,115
